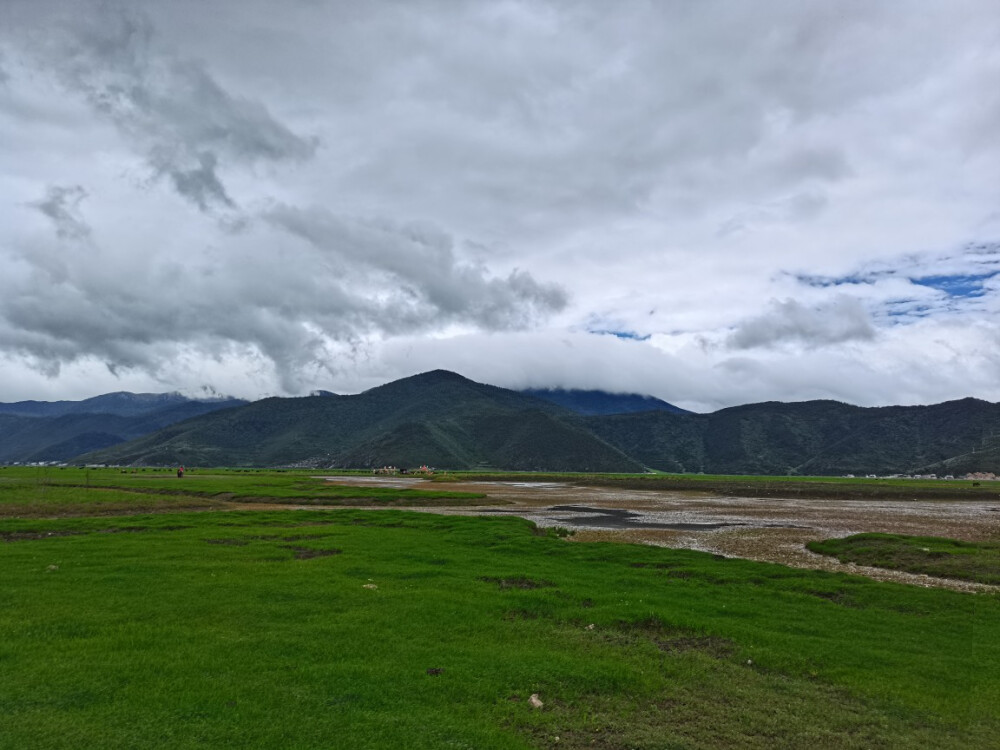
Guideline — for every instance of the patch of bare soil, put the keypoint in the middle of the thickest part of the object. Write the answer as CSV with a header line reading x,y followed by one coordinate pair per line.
x,y
517,582
676,640
28,536
77,510
228,542
308,553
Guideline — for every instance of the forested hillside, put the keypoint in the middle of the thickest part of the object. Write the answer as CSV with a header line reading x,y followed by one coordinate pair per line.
x,y
437,418
445,420
813,437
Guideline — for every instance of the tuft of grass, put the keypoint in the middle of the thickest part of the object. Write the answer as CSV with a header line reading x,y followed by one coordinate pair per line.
x,y
929,555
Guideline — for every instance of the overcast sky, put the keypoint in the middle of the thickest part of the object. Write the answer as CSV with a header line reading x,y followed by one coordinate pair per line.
x,y
711,202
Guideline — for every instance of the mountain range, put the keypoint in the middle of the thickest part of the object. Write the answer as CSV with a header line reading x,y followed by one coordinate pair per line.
x,y
33,431
825,438
442,419
437,418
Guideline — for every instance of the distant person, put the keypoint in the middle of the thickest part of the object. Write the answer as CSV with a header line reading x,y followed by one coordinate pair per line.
x,y
180,471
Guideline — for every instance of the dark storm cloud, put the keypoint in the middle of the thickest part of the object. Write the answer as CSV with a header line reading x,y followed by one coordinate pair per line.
x,y
842,319
169,107
61,205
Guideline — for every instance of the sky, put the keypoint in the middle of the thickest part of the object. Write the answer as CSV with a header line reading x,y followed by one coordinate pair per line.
x,y
714,202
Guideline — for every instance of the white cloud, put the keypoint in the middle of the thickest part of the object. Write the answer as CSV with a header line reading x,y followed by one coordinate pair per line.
x,y
169,107
789,321
61,205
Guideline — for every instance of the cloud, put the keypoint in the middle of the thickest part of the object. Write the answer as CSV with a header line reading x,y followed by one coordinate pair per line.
x,y
412,271
545,359
928,362
167,106
297,292
201,184
914,286
339,183
61,205
798,207
970,258
842,319
334,284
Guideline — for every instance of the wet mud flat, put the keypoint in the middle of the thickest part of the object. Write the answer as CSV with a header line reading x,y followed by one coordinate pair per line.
x,y
763,529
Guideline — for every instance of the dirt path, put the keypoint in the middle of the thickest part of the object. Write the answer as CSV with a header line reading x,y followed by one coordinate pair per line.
x,y
768,530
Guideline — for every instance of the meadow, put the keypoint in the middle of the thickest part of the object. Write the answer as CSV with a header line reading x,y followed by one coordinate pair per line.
x,y
383,629
933,556
31,491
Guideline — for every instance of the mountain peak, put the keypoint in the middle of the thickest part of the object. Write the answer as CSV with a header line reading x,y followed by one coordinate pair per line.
x,y
424,379
439,375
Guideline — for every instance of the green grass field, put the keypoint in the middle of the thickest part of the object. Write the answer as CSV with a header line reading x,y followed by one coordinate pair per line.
x,y
392,629
28,491
934,556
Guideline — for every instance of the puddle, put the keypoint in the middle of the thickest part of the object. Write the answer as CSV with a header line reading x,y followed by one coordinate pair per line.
x,y
619,518
394,481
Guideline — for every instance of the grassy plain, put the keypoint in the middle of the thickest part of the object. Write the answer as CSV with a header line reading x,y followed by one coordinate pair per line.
x,y
934,556
390,629
374,630
33,491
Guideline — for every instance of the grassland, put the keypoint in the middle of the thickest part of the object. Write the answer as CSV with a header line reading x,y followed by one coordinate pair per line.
x,y
392,629
74,491
934,556
375,630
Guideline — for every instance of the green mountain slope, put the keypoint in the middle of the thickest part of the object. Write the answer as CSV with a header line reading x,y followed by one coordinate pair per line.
x,y
120,403
444,420
437,418
66,430
813,437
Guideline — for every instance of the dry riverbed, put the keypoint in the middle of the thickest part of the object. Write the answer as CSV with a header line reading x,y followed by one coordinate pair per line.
x,y
770,530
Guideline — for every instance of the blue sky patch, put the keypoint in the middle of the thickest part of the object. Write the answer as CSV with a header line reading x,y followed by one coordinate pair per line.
x,y
627,335
956,285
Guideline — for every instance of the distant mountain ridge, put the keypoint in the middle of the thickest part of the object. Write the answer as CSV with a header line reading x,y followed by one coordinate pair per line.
x,y
813,437
442,419
121,403
596,402
32,431
437,418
